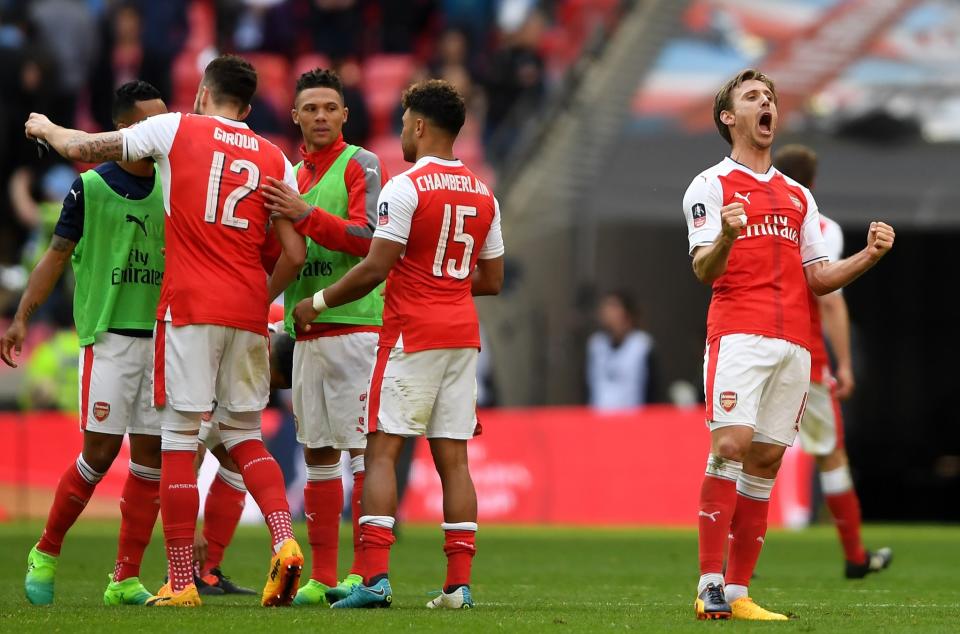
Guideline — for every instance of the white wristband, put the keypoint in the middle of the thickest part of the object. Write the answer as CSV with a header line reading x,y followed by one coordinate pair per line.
x,y
318,304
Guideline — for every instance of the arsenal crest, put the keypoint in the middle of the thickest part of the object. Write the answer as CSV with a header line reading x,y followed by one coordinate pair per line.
x,y
728,400
101,410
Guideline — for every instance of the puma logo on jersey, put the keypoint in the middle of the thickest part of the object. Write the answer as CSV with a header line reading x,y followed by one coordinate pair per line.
x,y
760,539
371,169
712,516
140,223
745,198
75,194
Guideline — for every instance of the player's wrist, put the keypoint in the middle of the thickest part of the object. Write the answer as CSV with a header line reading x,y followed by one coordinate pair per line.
x,y
319,304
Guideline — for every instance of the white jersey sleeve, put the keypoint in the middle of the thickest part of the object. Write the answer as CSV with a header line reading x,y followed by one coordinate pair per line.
x,y
493,245
395,207
289,176
833,238
701,208
151,137
812,246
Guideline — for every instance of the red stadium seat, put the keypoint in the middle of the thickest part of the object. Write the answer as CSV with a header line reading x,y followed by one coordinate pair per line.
x,y
274,83
387,147
384,78
308,62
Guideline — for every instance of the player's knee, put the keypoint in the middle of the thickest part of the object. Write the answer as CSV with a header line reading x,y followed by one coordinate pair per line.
x,y
100,453
731,449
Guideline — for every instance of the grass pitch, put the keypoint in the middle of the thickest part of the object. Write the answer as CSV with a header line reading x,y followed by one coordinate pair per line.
x,y
526,580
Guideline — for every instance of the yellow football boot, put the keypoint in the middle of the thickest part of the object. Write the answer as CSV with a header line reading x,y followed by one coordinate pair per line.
x,y
186,598
285,569
744,608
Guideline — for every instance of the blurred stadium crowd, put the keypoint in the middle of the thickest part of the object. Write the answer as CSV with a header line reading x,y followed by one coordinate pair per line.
x,y
65,57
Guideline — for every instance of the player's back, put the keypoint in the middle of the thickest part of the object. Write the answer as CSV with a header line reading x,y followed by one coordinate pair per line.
x,y
428,295
217,224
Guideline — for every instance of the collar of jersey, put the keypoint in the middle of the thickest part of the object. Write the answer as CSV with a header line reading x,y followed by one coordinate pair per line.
x,y
230,122
760,176
439,161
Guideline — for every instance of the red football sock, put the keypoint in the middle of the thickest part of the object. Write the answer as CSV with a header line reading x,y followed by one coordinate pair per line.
x,y
846,513
749,528
375,543
221,514
718,498
139,506
264,480
355,511
73,493
322,503
179,505
460,546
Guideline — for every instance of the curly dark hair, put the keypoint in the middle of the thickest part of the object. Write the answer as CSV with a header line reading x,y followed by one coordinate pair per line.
x,y
320,78
127,96
438,101
231,78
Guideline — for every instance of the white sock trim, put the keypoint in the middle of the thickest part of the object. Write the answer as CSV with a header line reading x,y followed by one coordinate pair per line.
x,y
715,578
755,487
459,526
320,473
233,437
356,464
87,472
175,441
734,591
233,479
723,468
836,481
147,473
383,521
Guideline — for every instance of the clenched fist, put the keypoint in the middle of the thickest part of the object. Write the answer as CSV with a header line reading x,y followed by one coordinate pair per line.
x,y
879,240
732,220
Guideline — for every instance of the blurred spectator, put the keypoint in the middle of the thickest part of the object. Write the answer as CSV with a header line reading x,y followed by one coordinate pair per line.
x,y
620,369
163,35
264,26
39,217
402,22
52,373
337,27
120,59
64,27
516,80
357,128
472,17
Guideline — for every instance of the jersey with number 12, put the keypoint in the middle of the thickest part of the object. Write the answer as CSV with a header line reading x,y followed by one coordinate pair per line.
x,y
448,219
211,169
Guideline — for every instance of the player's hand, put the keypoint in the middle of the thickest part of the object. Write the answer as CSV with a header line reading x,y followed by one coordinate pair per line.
x,y
879,240
12,341
732,220
304,313
37,126
283,200
199,548
845,382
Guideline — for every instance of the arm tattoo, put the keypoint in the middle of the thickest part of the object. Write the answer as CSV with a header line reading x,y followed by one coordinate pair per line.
x,y
32,308
59,243
94,148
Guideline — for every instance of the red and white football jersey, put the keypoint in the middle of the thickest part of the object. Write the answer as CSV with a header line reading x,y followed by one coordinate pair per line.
x,y
819,360
447,218
211,169
764,289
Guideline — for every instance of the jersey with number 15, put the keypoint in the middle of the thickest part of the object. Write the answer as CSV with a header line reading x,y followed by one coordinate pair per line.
x,y
448,219
211,169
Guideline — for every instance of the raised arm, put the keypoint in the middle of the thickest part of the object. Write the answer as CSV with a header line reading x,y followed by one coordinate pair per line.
x,y
75,144
824,278
710,261
42,280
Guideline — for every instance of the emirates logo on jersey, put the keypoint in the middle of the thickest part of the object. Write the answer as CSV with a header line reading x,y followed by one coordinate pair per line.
x,y
383,213
101,409
728,400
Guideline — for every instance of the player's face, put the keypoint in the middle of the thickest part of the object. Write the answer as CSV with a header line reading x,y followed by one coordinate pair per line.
x,y
408,137
320,114
754,114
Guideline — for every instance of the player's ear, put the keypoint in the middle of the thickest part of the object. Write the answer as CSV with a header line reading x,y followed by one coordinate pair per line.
x,y
295,116
346,114
421,127
726,117
244,113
